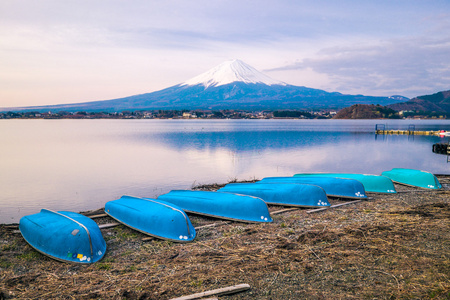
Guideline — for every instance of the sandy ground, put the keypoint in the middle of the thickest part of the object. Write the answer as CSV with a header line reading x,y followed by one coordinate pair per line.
x,y
389,247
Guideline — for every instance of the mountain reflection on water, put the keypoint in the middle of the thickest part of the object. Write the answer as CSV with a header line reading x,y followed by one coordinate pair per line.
x,y
250,141
79,165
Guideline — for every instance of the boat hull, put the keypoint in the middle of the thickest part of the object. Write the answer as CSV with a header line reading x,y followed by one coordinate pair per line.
x,y
281,194
371,183
152,217
334,187
64,236
220,205
411,177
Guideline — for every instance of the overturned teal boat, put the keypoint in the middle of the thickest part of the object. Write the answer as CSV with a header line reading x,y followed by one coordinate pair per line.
x,y
220,205
64,236
334,187
152,217
302,195
371,183
413,177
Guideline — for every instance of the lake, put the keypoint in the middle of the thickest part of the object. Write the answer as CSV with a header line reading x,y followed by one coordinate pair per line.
x,y
79,165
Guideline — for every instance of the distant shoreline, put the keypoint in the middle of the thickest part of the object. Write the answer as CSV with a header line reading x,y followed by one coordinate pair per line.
x,y
207,115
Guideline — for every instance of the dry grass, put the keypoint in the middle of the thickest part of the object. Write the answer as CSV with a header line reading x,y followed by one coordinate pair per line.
x,y
391,247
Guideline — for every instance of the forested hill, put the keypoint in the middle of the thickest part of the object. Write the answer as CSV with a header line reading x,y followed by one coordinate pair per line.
x,y
363,111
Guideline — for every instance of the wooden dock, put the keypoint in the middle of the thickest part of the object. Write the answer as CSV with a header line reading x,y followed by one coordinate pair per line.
x,y
382,129
408,132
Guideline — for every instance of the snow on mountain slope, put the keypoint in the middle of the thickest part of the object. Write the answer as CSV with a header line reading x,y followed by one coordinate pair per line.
x,y
231,71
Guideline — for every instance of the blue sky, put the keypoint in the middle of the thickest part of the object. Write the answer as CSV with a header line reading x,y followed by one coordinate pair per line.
x,y
54,51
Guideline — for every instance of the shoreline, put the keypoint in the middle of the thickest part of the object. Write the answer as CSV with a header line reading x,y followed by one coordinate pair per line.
x,y
392,246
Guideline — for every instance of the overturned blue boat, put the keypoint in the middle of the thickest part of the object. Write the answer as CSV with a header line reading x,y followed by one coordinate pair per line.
x,y
413,177
152,217
302,195
371,183
64,236
220,205
334,187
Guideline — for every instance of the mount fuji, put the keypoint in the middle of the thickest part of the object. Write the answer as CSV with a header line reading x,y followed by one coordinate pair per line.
x,y
229,72
230,85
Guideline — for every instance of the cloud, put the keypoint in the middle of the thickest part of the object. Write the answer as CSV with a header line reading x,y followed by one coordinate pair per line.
x,y
405,66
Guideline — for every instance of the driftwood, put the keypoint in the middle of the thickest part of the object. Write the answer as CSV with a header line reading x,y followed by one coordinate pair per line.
x,y
283,211
223,291
212,225
98,216
418,191
332,206
102,226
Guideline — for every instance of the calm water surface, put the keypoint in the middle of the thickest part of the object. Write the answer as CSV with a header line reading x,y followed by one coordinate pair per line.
x,y
79,165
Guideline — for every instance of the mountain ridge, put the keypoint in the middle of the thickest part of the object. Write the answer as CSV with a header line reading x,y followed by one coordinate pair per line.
x,y
437,102
249,89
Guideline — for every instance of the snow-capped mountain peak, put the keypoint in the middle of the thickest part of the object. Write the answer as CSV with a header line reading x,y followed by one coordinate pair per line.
x,y
231,71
